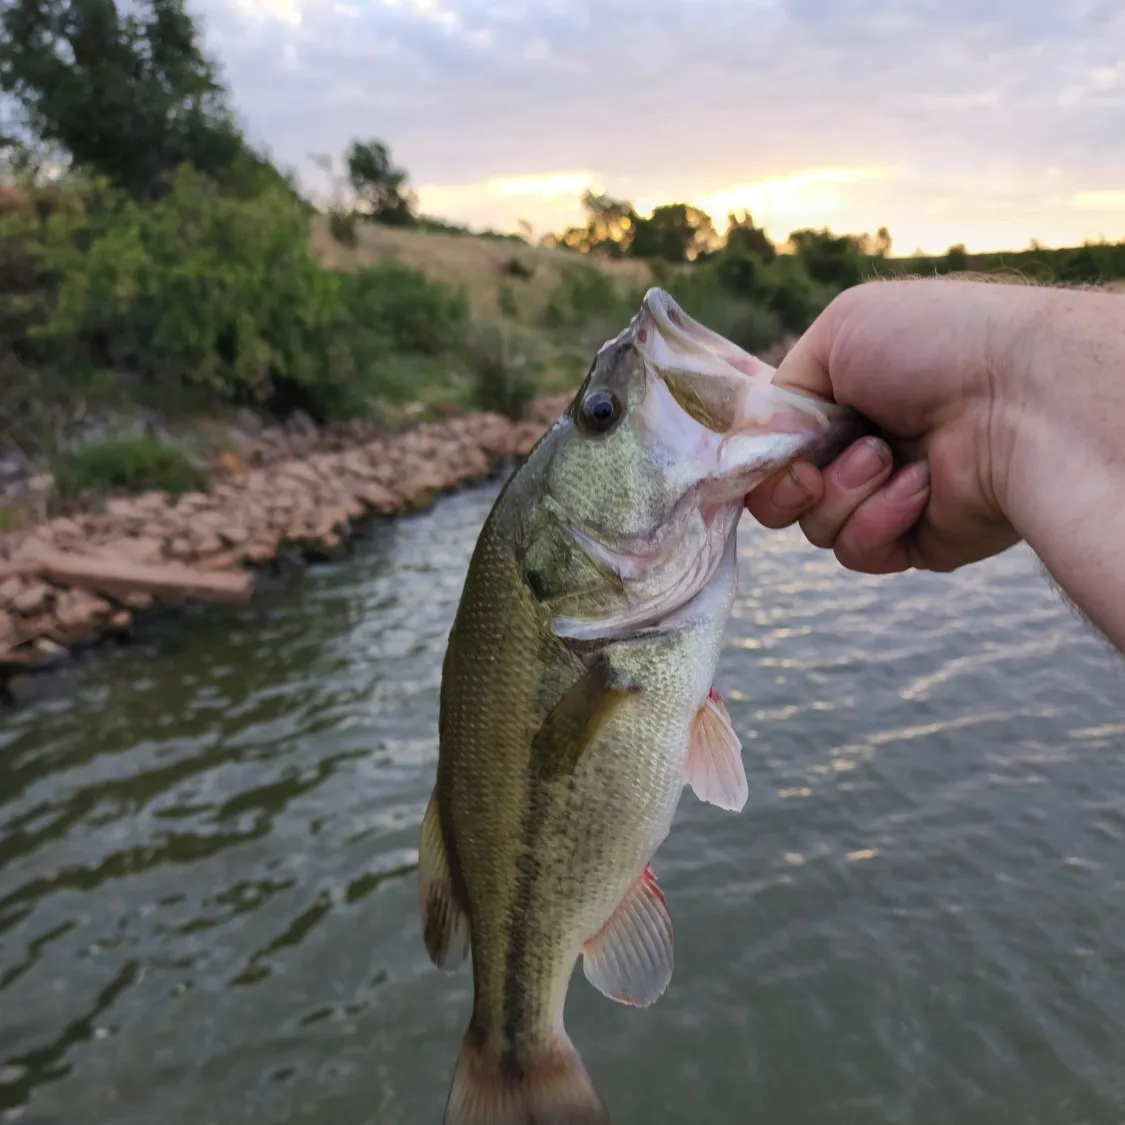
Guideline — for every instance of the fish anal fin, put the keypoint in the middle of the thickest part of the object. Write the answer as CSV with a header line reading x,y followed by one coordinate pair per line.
x,y
630,959
445,924
576,720
552,1087
714,766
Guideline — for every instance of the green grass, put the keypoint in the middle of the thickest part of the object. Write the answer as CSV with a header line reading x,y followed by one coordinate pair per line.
x,y
132,464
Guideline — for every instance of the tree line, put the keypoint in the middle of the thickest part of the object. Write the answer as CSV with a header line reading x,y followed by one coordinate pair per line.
x,y
141,233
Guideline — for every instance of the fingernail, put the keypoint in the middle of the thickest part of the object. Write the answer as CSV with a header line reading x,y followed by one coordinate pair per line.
x,y
790,494
910,482
863,462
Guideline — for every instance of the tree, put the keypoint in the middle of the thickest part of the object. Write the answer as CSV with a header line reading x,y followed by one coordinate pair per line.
x,y
676,232
609,227
831,259
744,237
130,97
380,187
877,246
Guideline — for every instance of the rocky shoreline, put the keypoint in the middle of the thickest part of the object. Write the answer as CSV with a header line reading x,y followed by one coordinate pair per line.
x,y
85,575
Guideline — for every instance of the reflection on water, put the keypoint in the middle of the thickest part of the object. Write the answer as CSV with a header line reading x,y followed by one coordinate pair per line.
x,y
208,847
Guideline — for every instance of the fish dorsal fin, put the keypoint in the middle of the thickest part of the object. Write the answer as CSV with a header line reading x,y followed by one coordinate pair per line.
x,y
630,958
576,720
445,924
714,767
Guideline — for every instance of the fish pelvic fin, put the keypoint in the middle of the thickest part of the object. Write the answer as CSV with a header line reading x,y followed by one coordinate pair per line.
x,y
553,1088
714,766
630,959
445,924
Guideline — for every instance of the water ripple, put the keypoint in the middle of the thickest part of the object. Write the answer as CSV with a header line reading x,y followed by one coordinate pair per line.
x,y
208,847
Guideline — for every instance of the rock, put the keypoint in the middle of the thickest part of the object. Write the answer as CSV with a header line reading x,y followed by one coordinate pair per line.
x,y
260,551
121,621
140,548
300,424
8,634
10,589
122,507
180,548
379,499
35,598
233,536
248,421
300,471
117,577
77,611
205,542
137,600
65,530
50,649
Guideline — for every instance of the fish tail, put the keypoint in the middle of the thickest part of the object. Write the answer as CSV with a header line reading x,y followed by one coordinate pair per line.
x,y
553,1088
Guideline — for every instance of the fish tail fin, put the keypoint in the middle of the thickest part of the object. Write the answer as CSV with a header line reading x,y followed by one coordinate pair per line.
x,y
553,1088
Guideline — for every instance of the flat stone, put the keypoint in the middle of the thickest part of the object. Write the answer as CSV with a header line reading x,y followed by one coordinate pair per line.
x,y
34,599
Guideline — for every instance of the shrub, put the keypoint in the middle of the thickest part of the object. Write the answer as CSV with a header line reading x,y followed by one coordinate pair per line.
x,y
517,267
409,310
133,464
342,226
198,288
502,381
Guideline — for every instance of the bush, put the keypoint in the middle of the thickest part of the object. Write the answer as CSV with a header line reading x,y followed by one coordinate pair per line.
x,y
342,226
409,310
199,288
204,290
517,267
133,464
501,380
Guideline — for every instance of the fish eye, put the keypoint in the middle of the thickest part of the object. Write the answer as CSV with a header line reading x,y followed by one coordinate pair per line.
x,y
601,409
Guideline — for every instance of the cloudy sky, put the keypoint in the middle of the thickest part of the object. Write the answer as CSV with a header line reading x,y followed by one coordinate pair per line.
x,y
989,122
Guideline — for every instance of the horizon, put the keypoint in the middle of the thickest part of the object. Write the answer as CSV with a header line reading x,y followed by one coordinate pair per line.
x,y
942,124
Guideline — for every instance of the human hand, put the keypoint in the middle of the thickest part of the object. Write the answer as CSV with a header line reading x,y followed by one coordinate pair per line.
x,y
933,364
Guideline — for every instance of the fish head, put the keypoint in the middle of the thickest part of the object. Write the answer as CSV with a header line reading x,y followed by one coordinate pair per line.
x,y
650,465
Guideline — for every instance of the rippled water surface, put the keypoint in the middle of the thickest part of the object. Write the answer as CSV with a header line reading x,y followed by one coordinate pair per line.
x,y
208,851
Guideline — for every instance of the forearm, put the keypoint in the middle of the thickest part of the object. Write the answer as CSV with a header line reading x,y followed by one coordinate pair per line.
x,y
1064,477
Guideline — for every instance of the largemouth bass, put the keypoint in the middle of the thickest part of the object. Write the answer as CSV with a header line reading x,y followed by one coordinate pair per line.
x,y
577,699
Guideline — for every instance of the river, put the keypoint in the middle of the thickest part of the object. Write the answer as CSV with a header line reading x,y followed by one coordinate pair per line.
x,y
208,888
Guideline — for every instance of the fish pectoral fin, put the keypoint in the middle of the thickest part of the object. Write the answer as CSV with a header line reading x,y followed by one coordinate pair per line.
x,y
576,720
630,959
714,766
445,924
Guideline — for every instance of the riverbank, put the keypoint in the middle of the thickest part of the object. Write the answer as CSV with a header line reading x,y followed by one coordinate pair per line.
x,y
85,575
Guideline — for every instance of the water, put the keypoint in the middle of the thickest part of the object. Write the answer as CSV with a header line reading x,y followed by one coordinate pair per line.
x,y
208,848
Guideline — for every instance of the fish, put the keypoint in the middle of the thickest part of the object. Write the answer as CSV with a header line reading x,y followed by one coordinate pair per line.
x,y
577,699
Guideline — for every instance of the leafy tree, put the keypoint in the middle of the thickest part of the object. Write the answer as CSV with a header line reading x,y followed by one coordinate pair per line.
x,y
829,259
128,96
380,187
743,237
676,232
609,228
956,259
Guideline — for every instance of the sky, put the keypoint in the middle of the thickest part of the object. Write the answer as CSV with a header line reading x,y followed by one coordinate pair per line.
x,y
987,122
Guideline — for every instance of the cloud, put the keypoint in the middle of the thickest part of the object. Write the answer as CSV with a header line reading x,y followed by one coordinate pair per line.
x,y
997,117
